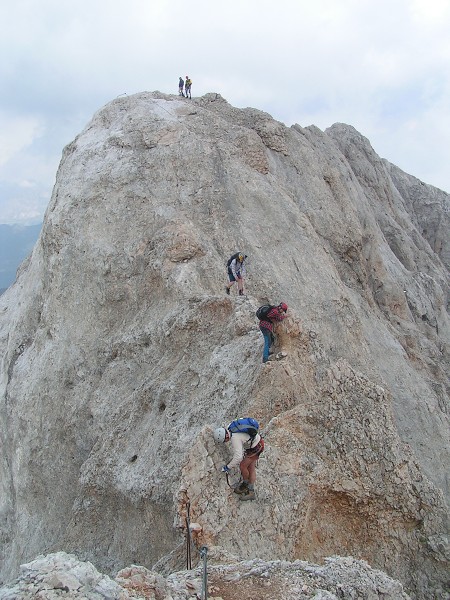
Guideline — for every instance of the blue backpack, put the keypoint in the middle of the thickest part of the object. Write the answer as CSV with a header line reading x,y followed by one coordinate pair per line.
x,y
244,425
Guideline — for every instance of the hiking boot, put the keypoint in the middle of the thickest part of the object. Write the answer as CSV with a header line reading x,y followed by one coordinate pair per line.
x,y
250,495
227,289
241,293
241,488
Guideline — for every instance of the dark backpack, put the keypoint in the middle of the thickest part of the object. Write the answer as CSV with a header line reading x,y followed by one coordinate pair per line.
x,y
262,311
235,256
245,425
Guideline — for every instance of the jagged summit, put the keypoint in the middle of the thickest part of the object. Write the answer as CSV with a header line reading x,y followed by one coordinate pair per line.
x,y
121,350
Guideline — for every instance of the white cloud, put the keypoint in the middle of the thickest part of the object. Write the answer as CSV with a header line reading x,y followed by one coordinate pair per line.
x,y
16,134
433,13
27,184
379,66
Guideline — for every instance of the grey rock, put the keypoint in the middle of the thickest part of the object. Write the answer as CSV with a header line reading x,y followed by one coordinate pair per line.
x,y
120,350
338,578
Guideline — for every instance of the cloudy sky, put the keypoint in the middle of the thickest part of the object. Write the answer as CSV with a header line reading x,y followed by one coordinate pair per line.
x,y
382,66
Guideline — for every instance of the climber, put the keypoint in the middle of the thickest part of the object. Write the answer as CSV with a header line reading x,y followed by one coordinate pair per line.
x,y
236,272
180,87
267,315
187,87
246,451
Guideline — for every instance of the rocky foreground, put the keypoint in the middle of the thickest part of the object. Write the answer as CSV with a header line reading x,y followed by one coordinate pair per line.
x,y
63,576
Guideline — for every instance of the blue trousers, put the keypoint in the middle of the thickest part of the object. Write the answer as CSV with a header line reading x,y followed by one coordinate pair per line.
x,y
268,340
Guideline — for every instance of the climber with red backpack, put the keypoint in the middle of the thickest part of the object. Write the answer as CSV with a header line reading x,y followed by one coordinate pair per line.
x,y
247,446
267,315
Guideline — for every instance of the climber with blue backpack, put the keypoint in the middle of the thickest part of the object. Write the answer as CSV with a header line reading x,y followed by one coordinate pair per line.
x,y
267,315
247,446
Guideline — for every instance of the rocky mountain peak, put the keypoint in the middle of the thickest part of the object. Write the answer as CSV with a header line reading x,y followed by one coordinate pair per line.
x,y
121,351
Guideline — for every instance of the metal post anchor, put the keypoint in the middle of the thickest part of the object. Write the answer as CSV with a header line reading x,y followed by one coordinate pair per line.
x,y
203,555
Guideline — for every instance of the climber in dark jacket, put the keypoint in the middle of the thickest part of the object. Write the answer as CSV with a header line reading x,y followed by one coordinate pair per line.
x,y
180,86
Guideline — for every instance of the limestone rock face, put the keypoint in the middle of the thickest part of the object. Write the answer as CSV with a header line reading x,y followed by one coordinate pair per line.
x,y
121,352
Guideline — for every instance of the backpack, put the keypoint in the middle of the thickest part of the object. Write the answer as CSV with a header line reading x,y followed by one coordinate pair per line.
x,y
235,256
245,425
262,311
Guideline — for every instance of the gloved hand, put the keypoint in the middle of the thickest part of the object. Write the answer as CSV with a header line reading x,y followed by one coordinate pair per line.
x,y
225,469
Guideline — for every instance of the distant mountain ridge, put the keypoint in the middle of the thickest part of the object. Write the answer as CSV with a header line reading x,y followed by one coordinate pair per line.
x,y
16,243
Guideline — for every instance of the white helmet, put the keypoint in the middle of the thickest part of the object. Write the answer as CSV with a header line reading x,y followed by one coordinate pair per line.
x,y
220,434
